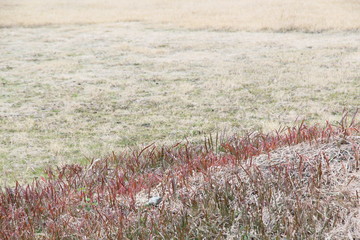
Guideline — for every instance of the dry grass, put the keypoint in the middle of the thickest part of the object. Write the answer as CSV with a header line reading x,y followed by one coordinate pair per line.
x,y
71,92
253,15
299,183
83,78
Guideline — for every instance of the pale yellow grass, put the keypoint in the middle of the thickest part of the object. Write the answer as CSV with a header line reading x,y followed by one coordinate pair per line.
x,y
252,15
71,92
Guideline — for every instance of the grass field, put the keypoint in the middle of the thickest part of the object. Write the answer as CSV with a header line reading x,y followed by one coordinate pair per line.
x,y
86,85
253,15
81,79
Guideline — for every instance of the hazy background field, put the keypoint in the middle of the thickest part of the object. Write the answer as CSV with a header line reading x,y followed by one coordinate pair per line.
x,y
273,15
277,15
84,78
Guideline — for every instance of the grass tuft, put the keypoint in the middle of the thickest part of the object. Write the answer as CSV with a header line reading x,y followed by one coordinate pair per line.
x,y
295,183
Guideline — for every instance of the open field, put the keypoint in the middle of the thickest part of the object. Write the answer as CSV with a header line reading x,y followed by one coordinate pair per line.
x,y
73,91
89,79
70,91
250,15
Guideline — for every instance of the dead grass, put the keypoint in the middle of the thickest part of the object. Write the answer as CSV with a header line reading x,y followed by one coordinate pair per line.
x,y
75,85
298,183
71,92
258,15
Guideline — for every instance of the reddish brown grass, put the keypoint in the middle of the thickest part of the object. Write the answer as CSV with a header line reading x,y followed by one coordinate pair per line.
x,y
298,182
